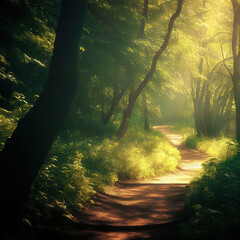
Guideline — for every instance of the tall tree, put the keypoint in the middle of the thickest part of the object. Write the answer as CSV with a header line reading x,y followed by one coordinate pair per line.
x,y
236,63
24,153
134,94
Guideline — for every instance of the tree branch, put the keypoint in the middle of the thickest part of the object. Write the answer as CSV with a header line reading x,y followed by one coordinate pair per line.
x,y
160,51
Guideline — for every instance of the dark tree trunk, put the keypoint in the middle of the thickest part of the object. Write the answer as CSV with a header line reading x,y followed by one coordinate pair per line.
x,y
127,114
24,153
236,63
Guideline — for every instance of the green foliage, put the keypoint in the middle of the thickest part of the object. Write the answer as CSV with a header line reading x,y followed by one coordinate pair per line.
x,y
61,186
26,48
212,202
220,148
7,126
9,119
192,141
147,155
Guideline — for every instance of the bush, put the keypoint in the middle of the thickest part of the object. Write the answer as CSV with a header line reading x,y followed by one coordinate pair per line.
x,y
220,148
213,198
212,202
191,141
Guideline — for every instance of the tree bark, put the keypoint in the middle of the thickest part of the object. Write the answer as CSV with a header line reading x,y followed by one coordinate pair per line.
x,y
123,127
236,63
24,153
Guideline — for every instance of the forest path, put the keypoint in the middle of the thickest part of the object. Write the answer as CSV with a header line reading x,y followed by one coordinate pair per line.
x,y
141,209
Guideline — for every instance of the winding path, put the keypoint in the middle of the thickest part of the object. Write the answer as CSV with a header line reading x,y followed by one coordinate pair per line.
x,y
144,209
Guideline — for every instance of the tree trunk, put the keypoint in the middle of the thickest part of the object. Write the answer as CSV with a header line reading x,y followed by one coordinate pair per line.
x,y
126,118
127,114
115,102
236,63
24,153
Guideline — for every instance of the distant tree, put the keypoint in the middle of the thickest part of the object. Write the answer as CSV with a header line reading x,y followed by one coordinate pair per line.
x,y
24,153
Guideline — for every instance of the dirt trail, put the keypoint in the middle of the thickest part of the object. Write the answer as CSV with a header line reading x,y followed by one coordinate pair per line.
x,y
141,209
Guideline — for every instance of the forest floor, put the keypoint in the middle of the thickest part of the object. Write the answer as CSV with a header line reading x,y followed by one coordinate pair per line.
x,y
147,209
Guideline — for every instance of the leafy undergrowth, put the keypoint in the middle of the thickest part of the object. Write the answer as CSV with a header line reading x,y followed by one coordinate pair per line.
x,y
213,197
212,202
220,148
76,168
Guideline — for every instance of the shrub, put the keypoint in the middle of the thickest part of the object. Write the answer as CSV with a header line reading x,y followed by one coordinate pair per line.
x,y
212,202
220,148
191,141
